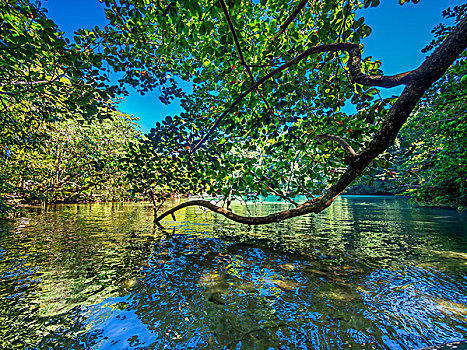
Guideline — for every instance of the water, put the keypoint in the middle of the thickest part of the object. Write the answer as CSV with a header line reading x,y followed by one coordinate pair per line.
x,y
368,273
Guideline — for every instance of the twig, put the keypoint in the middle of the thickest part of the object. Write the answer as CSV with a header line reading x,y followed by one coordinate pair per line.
x,y
339,140
274,191
289,20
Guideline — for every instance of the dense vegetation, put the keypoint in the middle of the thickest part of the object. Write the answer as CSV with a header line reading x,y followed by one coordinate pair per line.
x,y
75,162
428,158
272,83
433,165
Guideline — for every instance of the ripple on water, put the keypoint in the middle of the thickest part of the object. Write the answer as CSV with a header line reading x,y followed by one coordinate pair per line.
x,y
367,273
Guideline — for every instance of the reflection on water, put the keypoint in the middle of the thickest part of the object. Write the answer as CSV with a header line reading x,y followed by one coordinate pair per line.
x,y
368,273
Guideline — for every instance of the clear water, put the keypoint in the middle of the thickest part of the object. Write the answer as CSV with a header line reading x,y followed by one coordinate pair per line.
x,y
368,273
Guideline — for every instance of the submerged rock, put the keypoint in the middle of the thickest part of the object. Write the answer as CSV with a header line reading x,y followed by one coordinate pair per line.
x,y
217,297
314,271
216,287
338,294
288,267
286,284
129,283
247,287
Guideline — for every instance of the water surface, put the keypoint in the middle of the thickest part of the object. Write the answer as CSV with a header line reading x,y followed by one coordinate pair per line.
x,y
368,273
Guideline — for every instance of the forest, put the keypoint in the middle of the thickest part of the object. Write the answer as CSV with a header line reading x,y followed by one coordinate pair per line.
x,y
295,202
268,115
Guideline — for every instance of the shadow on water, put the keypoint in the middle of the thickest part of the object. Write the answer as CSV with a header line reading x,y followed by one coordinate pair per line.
x,y
368,273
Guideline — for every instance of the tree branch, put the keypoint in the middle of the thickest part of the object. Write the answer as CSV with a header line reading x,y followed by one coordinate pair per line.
x,y
421,79
240,53
237,43
347,148
229,200
305,191
276,217
277,193
16,83
355,72
31,84
289,20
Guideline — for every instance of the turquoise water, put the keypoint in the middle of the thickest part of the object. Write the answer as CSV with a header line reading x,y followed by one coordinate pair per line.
x,y
368,273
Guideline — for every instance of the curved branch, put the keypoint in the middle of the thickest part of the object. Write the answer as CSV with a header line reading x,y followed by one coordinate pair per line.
x,y
357,76
347,148
302,209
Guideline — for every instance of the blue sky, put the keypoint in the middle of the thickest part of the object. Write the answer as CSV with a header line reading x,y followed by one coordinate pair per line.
x,y
399,33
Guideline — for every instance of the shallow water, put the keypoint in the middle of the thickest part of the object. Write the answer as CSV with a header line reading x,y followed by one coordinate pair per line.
x,y
368,273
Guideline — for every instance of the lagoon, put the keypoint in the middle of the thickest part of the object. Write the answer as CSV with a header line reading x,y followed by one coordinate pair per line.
x,y
370,272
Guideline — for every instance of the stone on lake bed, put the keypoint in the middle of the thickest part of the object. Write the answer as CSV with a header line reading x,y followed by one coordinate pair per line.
x,y
213,279
345,295
129,283
218,297
286,284
314,271
247,287
288,267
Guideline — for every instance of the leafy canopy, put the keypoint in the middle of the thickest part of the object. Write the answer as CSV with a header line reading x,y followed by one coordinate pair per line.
x,y
274,130
44,78
75,161
270,83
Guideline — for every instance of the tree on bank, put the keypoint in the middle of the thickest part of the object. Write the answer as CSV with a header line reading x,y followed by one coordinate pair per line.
x,y
154,172
60,137
432,166
270,80
44,78
76,161
428,157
